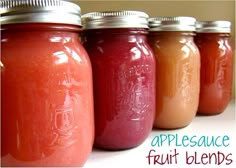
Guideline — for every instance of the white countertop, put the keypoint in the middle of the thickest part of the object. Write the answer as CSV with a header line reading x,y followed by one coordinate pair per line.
x,y
217,125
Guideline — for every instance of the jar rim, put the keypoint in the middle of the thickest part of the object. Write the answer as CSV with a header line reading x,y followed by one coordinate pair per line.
x,y
115,19
178,23
218,26
39,11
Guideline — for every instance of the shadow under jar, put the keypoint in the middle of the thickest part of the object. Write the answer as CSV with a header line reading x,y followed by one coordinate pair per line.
x,y
178,70
46,86
213,41
123,75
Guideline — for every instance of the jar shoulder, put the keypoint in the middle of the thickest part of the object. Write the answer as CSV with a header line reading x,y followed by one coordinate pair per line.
x,y
112,48
43,52
174,48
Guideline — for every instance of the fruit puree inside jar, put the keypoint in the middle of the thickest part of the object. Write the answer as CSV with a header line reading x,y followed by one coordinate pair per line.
x,y
178,75
216,72
124,86
47,102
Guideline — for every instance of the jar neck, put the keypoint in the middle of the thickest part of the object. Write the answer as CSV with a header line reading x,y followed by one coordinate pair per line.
x,y
213,35
171,35
40,26
40,31
116,33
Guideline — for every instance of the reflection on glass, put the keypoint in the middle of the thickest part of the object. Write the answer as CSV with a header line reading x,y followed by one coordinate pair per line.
x,y
61,57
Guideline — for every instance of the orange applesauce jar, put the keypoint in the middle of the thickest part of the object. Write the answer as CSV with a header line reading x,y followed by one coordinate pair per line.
x,y
178,70
46,85
213,41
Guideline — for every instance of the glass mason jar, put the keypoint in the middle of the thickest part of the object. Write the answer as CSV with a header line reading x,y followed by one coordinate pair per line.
x,y
46,85
123,75
178,70
213,41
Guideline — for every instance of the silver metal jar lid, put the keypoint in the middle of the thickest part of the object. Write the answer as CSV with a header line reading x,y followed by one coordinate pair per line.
x,y
115,19
180,23
39,11
213,26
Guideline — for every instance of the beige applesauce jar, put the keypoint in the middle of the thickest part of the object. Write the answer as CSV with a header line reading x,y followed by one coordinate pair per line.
x,y
177,72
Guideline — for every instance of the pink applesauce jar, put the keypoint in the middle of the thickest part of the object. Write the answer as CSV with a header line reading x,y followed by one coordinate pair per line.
x,y
123,77
46,85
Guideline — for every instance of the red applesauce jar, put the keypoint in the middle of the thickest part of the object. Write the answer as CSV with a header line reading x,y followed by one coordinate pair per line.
x,y
46,86
123,77
213,41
